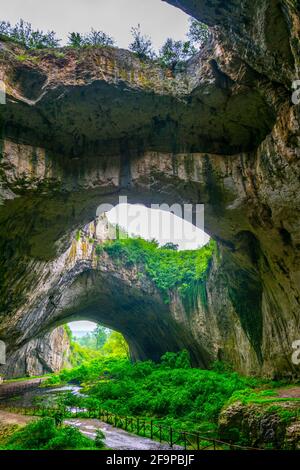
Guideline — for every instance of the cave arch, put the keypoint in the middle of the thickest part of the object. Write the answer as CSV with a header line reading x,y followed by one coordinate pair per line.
x,y
235,150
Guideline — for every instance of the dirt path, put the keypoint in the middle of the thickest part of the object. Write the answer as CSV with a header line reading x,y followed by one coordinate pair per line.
x,y
292,392
115,438
7,418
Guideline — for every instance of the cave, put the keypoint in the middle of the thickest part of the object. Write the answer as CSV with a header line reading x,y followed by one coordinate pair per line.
x,y
86,127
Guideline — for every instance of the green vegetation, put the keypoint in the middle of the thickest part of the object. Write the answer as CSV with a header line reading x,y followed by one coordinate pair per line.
x,y
171,392
95,345
168,268
247,397
173,54
44,434
141,44
24,34
93,38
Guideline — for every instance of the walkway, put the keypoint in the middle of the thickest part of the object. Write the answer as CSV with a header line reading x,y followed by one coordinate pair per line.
x,y
116,438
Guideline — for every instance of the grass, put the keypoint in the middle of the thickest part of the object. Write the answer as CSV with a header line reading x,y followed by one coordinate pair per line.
x,y
24,379
249,396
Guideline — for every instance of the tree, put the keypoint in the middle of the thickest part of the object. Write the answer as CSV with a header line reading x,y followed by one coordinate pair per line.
x,y
198,33
33,39
174,53
100,334
116,345
93,38
170,246
75,40
98,38
141,44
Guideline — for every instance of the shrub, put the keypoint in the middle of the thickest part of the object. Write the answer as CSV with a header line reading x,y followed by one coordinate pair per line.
x,y
45,435
23,33
93,38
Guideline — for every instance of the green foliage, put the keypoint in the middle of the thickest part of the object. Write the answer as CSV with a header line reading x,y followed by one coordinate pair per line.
x,y
100,436
45,435
176,360
98,250
170,246
172,392
141,44
115,345
93,38
24,34
167,267
173,54
199,33
80,354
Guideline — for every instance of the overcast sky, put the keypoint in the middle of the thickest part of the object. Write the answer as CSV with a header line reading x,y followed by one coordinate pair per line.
x,y
161,225
115,17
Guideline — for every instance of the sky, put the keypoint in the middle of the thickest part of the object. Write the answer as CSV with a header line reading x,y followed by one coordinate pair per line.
x,y
115,17
164,226
82,326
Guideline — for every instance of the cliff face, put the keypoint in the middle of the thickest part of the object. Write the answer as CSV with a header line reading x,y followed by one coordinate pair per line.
x,y
47,353
81,128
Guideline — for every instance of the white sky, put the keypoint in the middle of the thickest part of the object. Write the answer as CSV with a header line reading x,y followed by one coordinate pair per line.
x,y
85,326
115,17
163,226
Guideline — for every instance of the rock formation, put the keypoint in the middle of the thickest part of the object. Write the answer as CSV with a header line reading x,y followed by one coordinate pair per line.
x,y
82,127
42,355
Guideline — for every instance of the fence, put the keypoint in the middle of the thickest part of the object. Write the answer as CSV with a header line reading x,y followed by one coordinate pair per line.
x,y
181,439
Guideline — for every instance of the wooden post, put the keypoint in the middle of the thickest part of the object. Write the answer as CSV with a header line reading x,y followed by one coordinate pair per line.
x,y
171,437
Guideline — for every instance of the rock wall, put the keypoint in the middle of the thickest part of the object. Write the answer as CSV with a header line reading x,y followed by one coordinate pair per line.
x,y
42,355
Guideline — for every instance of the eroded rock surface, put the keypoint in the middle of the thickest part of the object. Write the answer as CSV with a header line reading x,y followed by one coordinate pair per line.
x,y
82,128
42,355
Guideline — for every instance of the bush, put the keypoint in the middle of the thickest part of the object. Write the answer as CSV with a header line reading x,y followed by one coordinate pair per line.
x,y
45,435
93,38
23,33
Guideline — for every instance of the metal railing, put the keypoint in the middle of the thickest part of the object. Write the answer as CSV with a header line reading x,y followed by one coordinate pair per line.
x,y
174,438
